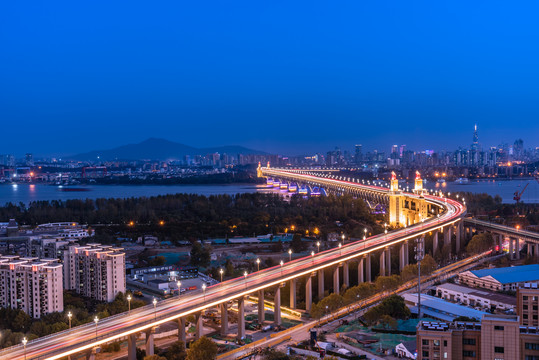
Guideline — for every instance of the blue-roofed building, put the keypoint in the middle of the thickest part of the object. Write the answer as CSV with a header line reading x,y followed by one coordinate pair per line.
x,y
436,308
501,279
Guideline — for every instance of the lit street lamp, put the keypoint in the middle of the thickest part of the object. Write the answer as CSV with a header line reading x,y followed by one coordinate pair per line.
x,y
258,264
342,237
340,249
312,255
221,271
96,320
24,342
204,291
245,276
289,254
318,244
179,283
129,303
282,262
155,308
69,315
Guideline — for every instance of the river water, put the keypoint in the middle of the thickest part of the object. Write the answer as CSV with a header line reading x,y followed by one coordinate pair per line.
x,y
27,193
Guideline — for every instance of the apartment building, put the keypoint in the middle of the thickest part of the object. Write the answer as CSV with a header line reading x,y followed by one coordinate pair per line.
x,y
528,304
31,284
499,337
95,271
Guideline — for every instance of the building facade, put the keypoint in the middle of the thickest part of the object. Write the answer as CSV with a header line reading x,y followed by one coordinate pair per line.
x,y
499,337
528,304
32,285
95,271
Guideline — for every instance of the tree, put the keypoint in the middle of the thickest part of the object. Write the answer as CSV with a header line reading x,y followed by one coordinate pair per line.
x,y
388,322
480,243
428,265
200,255
155,357
176,351
297,244
202,349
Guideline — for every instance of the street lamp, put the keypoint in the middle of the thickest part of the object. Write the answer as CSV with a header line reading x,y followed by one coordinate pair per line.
x,y
245,276
318,245
289,254
312,255
221,271
179,283
96,320
365,231
204,291
129,303
69,315
340,248
155,308
342,237
282,263
258,264
24,342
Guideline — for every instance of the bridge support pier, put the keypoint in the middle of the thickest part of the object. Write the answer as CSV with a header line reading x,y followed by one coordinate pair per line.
x,y
385,262
500,240
336,282
448,234
320,284
360,272
90,354
224,319
261,309
517,248
199,329
346,274
403,256
511,249
536,250
368,270
149,342
435,244
182,336
309,293
277,306
293,283
241,318
132,347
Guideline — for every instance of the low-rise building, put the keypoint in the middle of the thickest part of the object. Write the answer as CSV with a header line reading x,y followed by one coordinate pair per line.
x,y
496,337
475,297
32,285
501,279
436,308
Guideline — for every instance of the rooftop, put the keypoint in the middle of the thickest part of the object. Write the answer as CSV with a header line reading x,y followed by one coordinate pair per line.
x,y
486,294
512,274
440,309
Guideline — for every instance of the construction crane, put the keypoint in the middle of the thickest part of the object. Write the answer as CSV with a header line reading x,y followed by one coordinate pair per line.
x,y
519,195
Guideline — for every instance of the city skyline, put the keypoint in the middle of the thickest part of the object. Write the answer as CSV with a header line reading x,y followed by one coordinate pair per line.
x,y
303,78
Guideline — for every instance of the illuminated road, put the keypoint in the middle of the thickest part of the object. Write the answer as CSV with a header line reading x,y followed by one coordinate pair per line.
x,y
109,329
508,230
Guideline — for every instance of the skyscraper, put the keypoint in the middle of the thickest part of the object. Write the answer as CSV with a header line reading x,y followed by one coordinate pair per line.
x,y
475,143
358,157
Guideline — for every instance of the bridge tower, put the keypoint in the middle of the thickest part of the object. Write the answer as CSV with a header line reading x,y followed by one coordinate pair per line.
x,y
394,201
259,170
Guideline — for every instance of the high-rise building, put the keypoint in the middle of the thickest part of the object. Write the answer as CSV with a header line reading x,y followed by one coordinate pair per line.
x,y
475,140
32,285
95,271
528,304
358,156
29,159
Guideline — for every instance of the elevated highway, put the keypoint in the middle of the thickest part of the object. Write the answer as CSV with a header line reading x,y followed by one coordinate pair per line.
x,y
87,338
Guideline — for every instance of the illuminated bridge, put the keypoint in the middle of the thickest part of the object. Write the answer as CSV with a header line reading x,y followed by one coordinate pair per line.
x,y
413,215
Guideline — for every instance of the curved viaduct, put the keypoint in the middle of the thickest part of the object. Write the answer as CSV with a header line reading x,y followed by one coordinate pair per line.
x,y
412,214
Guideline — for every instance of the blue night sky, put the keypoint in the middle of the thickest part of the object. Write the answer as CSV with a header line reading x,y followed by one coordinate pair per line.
x,y
281,76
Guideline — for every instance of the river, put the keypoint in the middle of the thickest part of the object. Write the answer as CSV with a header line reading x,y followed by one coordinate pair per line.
x,y
27,193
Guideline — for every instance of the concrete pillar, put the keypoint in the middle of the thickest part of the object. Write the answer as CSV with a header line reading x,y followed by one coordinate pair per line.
x,y
309,293
149,341
360,271
368,268
435,244
320,284
241,318
346,274
336,282
90,354
383,263
261,308
536,251
402,255
459,236
224,319
277,306
132,347
293,293
529,248
517,248
199,330
182,336
500,240
388,260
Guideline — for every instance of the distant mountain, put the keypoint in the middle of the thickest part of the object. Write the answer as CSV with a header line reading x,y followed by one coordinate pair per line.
x,y
159,149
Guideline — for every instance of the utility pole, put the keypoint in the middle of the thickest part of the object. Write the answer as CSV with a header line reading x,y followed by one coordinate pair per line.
x,y
419,254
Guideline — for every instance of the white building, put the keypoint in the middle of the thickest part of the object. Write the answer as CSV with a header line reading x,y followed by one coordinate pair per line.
x,y
95,271
476,297
31,284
